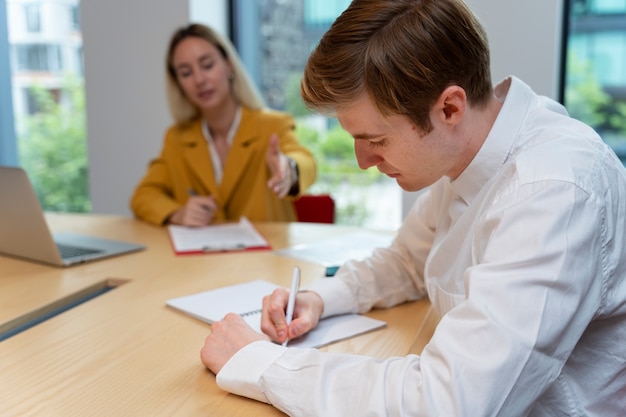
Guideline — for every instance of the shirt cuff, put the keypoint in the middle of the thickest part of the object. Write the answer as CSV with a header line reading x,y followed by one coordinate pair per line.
x,y
242,372
336,294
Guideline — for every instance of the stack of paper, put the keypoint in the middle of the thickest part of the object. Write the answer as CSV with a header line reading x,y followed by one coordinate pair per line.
x,y
334,252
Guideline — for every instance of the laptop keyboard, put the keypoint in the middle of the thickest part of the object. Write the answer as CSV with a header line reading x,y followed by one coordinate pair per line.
x,y
68,251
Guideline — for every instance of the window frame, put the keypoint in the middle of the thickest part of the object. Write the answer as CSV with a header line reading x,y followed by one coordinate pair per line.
x,y
612,21
8,143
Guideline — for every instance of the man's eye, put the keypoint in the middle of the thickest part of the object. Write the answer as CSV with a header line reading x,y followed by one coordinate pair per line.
x,y
378,143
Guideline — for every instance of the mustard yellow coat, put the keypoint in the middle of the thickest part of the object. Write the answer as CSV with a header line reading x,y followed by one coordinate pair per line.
x,y
185,165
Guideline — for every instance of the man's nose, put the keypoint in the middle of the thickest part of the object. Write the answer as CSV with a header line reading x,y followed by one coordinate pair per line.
x,y
365,156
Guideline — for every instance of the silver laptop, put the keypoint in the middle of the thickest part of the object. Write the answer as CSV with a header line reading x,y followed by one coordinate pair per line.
x,y
24,232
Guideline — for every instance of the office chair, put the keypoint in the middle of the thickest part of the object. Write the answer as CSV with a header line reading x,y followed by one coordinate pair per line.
x,y
315,208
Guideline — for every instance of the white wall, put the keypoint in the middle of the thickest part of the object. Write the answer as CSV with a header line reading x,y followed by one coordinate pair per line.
x,y
124,47
524,37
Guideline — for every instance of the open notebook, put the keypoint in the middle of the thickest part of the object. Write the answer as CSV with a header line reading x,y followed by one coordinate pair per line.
x,y
246,299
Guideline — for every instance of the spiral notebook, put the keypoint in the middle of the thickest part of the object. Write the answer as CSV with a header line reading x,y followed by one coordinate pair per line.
x,y
246,299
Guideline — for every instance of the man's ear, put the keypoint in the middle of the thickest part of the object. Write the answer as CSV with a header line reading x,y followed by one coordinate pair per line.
x,y
451,104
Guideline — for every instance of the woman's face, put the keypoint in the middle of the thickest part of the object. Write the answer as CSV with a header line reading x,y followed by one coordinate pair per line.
x,y
202,73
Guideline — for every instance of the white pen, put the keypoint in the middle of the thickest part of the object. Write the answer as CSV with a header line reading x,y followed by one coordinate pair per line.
x,y
295,287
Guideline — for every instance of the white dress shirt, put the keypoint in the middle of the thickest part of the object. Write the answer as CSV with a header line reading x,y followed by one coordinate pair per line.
x,y
524,258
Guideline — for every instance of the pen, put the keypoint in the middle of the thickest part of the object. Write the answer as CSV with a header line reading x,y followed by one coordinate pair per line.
x,y
193,193
223,248
295,287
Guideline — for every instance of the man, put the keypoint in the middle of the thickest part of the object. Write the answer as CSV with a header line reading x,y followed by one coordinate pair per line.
x,y
518,241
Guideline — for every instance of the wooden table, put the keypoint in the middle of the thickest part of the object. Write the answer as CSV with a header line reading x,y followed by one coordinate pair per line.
x,y
124,353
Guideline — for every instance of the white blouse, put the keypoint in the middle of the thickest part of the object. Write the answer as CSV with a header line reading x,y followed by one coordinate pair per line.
x,y
218,169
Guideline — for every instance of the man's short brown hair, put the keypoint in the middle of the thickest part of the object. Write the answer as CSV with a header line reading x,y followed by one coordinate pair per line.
x,y
403,53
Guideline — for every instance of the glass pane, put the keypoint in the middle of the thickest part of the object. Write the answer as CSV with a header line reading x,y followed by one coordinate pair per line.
x,y
595,67
607,6
45,47
285,32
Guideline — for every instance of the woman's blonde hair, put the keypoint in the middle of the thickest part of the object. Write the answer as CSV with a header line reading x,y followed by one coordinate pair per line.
x,y
243,89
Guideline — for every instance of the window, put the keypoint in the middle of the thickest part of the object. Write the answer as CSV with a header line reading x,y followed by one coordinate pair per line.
x,y
35,105
78,58
38,57
594,67
321,14
47,109
33,21
289,30
75,17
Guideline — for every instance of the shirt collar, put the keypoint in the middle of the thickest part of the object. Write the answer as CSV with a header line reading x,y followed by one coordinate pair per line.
x,y
499,142
231,131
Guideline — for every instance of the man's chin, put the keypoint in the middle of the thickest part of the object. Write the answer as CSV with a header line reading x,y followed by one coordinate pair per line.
x,y
409,187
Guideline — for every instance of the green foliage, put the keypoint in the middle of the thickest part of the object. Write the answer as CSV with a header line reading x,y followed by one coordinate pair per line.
x,y
293,99
617,119
338,171
587,101
333,148
53,149
309,137
585,97
338,144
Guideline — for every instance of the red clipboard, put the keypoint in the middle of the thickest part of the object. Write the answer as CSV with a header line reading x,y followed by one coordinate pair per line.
x,y
218,238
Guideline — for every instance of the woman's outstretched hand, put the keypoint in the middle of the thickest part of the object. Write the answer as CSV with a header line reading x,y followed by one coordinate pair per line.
x,y
281,179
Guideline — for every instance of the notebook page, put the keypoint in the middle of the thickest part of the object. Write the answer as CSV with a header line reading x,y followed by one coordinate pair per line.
x,y
246,300
213,305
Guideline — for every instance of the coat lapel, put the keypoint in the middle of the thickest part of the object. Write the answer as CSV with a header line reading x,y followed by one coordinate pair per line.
x,y
196,153
242,152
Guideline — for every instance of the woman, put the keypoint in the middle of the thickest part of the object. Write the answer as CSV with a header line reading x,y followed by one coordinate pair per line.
x,y
226,156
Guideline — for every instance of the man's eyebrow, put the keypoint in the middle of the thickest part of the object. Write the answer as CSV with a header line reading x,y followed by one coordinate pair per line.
x,y
365,136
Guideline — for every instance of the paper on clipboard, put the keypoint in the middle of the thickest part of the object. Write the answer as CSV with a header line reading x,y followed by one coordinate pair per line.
x,y
226,237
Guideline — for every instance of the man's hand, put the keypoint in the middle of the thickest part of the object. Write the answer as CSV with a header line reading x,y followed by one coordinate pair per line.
x,y
307,312
227,337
